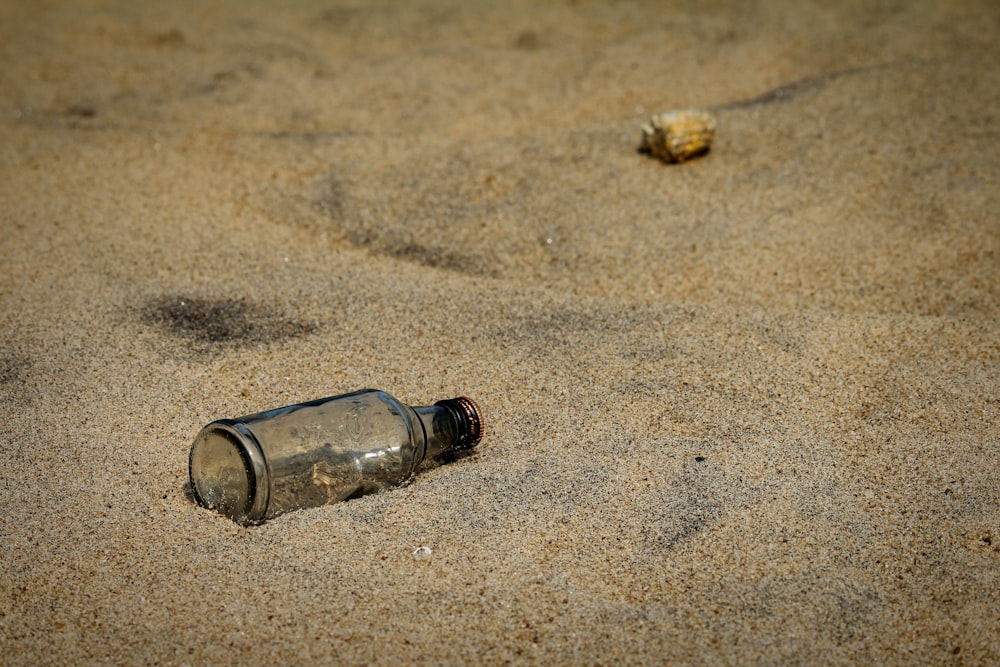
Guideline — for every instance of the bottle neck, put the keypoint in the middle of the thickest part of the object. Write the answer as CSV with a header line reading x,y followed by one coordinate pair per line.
x,y
451,424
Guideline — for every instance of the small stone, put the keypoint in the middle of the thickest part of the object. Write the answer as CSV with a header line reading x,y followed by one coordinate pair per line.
x,y
676,136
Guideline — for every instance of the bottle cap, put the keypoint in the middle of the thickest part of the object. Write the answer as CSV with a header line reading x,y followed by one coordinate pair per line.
x,y
468,418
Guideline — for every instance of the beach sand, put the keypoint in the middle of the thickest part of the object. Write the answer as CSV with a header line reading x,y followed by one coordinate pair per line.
x,y
745,409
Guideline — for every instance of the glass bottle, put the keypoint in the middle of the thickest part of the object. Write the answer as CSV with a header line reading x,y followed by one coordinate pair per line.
x,y
310,454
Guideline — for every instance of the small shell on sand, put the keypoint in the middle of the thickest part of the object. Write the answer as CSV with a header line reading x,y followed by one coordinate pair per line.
x,y
676,136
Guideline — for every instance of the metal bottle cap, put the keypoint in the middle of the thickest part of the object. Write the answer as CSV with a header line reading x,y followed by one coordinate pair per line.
x,y
468,418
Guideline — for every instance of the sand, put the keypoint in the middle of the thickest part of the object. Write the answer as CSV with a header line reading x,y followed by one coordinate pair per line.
x,y
739,410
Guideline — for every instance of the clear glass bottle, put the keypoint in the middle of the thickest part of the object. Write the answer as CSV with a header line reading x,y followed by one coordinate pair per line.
x,y
259,466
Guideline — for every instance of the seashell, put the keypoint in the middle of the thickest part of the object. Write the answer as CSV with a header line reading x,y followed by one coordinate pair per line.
x,y
675,136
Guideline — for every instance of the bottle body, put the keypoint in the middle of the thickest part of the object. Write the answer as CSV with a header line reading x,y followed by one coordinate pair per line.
x,y
311,454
